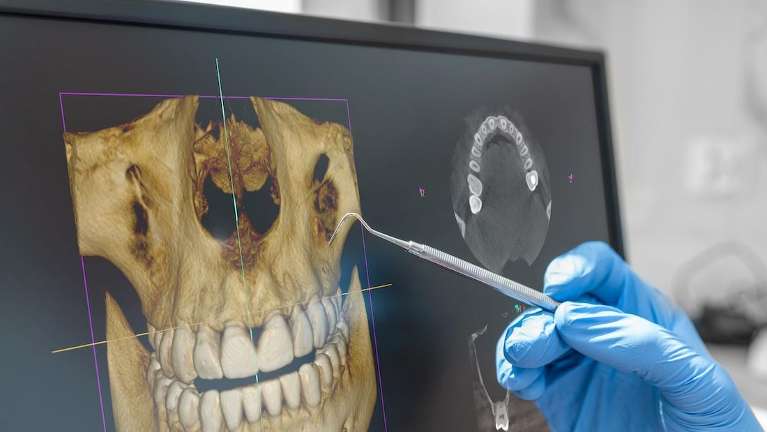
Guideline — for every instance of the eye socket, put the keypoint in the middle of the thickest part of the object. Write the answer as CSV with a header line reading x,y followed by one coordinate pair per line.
x,y
321,168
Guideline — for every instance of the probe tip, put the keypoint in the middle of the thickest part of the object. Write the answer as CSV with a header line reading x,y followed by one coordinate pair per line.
x,y
341,221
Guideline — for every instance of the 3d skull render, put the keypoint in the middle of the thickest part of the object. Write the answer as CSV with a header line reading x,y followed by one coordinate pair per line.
x,y
138,199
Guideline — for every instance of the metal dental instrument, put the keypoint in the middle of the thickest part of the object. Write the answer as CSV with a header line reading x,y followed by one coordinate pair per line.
x,y
505,286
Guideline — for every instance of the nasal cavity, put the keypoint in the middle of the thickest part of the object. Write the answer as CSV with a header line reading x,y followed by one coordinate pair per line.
x,y
219,219
260,206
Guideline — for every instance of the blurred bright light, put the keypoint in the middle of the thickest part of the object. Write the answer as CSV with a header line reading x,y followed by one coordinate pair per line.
x,y
293,6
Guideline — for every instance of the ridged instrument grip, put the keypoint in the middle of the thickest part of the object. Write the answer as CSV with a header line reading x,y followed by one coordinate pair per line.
x,y
503,285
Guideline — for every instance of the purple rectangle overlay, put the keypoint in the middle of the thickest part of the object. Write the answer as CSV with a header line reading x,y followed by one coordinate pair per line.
x,y
169,95
82,259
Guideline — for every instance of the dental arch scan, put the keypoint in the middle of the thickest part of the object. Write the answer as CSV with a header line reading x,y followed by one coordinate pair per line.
x,y
500,190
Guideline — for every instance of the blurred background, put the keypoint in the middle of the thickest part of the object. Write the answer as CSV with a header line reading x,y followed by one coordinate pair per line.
x,y
688,90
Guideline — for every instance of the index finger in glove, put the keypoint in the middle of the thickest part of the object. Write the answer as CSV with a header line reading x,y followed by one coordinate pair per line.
x,y
532,340
591,268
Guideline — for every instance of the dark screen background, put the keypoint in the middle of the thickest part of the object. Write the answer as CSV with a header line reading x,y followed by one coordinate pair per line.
x,y
407,111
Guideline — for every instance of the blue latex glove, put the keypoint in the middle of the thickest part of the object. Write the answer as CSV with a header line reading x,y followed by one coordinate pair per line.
x,y
615,356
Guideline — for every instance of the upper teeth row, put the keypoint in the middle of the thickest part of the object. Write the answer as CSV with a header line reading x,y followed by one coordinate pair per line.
x,y
209,354
490,125
183,406
498,124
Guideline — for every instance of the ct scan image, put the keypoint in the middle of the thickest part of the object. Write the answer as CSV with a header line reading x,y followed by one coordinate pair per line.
x,y
500,190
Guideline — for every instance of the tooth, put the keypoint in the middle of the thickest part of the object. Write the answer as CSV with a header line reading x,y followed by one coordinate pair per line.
x,y
171,403
317,318
330,311
477,140
152,335
524,150
344,328
275,347
474,165
532,179
310,383
475,151
182,353
155,337
344,307
231,407
475,185
502,121
461,224
291,389
335,362
158,375
172,418
174,392
161,390
165,352
475,204
303,341
326,370
483,130
491,123
238,355
272,395
518,138
188,409
337,299
210,412
251,402
154,366
206,354
341,346
528,163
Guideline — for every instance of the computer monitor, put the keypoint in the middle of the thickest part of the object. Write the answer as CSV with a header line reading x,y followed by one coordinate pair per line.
x,y
172,175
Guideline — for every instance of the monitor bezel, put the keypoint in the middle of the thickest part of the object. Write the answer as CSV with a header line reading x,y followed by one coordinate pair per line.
x,y
220,19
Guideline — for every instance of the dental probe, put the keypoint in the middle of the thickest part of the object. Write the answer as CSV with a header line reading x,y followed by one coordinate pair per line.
x,y
505,286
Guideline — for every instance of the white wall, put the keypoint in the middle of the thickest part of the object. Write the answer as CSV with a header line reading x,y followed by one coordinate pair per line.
x,y
692,154
361,10
272,5
508,18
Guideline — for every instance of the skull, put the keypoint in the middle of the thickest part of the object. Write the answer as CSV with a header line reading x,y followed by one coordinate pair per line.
x,y
248,331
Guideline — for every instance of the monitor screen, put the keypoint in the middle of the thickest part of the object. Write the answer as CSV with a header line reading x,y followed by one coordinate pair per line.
x,y
172,178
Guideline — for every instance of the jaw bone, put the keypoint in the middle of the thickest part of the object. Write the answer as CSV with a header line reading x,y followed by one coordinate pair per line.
x,y
345,401
128,361
139,202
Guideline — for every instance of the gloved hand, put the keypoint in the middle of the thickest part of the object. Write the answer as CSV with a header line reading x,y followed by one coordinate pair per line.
x,y
615,356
